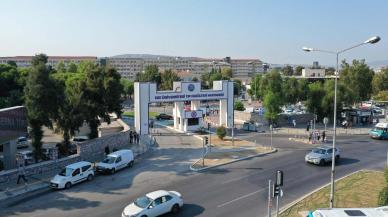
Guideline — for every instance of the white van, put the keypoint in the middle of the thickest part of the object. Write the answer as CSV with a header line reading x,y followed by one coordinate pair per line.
x,y
346,212
116,161
72,174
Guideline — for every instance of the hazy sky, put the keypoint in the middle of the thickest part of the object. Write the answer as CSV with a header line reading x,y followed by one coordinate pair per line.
x,y
271,30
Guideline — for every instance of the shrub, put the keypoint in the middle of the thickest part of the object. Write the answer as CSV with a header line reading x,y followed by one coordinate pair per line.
x,y
386,174
221,132
383,197
239,106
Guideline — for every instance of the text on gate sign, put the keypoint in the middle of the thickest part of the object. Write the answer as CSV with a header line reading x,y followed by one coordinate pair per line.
x,y
188,96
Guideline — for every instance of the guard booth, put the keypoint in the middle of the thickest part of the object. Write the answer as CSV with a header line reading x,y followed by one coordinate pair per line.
x,y
185,120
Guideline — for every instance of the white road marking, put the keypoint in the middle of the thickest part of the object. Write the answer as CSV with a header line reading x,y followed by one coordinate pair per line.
x,y
239,198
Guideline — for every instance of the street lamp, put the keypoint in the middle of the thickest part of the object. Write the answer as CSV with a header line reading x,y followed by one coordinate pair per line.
x,y
371,40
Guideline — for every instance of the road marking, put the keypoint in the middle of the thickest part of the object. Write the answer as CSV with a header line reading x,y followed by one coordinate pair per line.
x,y
237,179
239,198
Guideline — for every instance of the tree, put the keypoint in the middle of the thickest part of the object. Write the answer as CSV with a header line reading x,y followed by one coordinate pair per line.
x,y
221,132
344,98
272,103
226,73
151,74
167,79
195,79
298,70
330,71
303,89
61,67
127,87
380,81
358,77
41,100
11,86
288,70
72,68
112,91
239,106
314,99
237,87
254,90
291,90
381,96
271,82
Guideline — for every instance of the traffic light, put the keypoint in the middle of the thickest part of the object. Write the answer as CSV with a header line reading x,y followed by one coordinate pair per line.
x,y
275,190
208,126
206,140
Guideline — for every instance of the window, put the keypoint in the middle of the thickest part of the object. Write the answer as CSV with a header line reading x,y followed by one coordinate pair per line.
x,y
76,172
166,198
85,168
157,201
118,159
354,213
192,121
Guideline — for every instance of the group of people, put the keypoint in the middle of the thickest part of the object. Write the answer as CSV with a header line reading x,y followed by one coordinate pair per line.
x,y
317,136
133,137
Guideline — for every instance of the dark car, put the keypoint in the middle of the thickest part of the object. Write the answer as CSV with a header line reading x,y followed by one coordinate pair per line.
x,y
163,116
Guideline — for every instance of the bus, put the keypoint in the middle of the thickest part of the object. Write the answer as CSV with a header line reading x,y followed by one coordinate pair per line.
x,y
380,131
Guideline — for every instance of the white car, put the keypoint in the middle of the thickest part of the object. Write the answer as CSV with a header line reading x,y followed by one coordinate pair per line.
x,y
154,204
116,161
72,174
22,142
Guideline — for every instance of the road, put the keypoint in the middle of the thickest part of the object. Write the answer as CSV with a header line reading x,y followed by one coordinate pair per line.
x,y
238,189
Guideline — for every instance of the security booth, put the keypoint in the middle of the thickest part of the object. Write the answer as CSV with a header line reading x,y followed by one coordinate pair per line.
x,y
186,118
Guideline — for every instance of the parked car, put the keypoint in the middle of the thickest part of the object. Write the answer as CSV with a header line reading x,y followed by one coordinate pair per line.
x,y
116,161
72,174
80,138
154,204
163,116
22,142
26,156
322,155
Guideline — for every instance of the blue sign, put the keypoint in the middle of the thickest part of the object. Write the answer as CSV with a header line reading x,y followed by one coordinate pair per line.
x,y
191,87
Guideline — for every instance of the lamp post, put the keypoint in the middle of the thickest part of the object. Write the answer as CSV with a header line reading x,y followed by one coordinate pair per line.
x,y
371,40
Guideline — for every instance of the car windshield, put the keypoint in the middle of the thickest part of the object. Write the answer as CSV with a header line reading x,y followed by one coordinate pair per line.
x,y
109,160
378,129
142,202
66,172
319,151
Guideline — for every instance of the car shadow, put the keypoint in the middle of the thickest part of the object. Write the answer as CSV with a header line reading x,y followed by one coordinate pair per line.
x,y
188,210
346,161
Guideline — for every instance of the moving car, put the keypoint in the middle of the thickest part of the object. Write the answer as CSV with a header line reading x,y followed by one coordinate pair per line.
x,y
346,212
163,116
72,174
322,155
380,131
116,161
154,204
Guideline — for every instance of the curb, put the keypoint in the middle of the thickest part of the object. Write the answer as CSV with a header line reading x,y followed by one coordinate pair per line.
x,y
17,197
230,162
293,203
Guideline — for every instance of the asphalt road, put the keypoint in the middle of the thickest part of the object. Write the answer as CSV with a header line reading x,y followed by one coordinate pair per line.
x,y
238,189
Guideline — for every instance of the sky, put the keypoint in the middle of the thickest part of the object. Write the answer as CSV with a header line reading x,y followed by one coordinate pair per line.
x,y
271,30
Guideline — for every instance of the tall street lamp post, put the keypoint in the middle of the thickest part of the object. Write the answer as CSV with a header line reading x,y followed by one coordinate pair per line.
x,y
372,40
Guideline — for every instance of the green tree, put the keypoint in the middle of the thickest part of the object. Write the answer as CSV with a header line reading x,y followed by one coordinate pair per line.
x,y
226,73
113,91
239,106
291,90
221,132
167,79
358,77
272,82
298,70
151,74
303,89
344,98
128,87
61,67
11,87
272,103
40,100
314,99
254,90
381,96
237,87
72,68
288,70
380,81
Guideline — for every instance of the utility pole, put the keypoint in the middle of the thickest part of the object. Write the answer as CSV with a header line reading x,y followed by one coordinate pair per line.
x,y
269,199
271,129
210,137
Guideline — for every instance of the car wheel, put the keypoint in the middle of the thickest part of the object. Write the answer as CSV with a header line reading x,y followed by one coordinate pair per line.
x,y
90,177
112,171
68,185
175,208
322,162
130,164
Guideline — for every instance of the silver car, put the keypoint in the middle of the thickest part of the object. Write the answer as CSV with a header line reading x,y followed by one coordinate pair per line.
x,y
322,155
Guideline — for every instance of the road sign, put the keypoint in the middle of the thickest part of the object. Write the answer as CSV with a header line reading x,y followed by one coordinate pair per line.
x,y
325,120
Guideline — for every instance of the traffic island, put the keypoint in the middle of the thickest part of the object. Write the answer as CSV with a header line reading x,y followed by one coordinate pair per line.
x,y
227,151
357,190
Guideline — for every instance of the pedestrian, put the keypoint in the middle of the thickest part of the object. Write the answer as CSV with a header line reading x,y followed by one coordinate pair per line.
x,y
130,136
294,122
137,138
107,151
310,135
318,135
323,136
21,174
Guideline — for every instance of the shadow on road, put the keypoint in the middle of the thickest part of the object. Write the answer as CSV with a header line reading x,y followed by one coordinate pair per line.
x,y
346,161
188,210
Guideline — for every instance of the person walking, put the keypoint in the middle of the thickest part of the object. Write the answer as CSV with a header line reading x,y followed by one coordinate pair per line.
x,y
323,136
137,138
130,136
308,127
21,174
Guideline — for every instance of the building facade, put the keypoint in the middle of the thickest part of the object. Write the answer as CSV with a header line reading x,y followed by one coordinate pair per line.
x,y
26,61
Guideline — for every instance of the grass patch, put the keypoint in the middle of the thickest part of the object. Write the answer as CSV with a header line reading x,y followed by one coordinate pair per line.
x,y
132,114
358,190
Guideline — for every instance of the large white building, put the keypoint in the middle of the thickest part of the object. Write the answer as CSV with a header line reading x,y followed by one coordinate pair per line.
x,y
187,67
26,61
